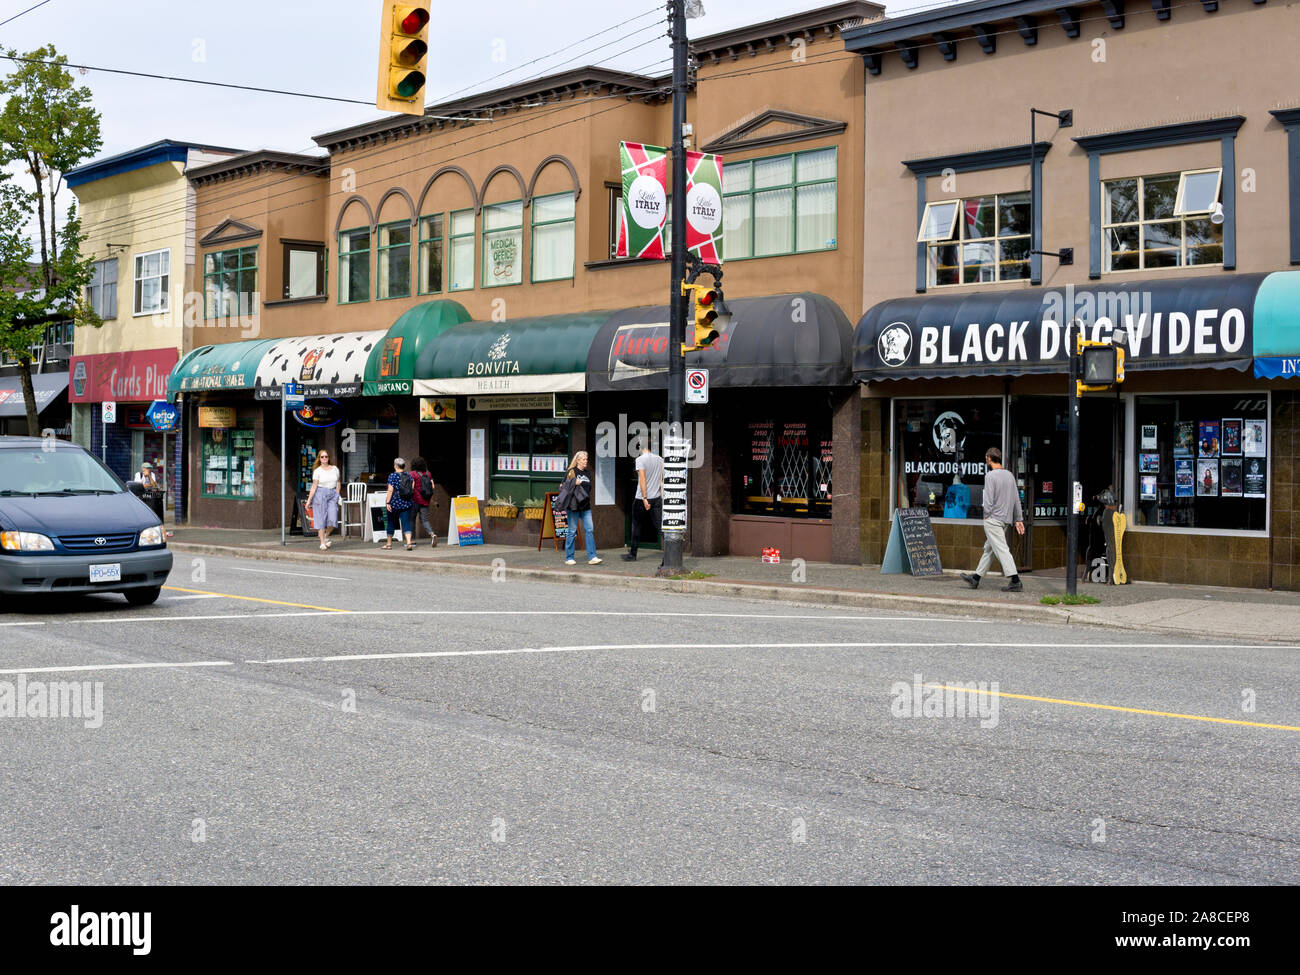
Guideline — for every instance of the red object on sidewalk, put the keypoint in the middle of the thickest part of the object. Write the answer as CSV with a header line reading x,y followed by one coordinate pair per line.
x,y
772,555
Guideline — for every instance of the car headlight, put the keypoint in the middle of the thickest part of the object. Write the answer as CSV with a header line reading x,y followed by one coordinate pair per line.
x,y
25,542
152,536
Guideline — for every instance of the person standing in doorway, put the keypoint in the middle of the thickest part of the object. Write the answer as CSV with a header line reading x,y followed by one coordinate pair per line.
x,y
323,499
1001,508
399,503
422,482
575,499
647,506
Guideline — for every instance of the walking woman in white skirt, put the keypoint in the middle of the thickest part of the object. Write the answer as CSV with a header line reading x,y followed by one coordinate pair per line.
x,y
324,498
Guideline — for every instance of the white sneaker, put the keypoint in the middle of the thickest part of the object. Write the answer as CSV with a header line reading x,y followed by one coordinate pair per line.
x,y
570,561
595,561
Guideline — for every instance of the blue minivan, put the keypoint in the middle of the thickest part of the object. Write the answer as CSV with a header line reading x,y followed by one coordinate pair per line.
x,y
69,525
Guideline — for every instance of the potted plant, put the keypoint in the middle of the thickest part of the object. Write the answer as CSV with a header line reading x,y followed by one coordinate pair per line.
x,y
499,507
534,508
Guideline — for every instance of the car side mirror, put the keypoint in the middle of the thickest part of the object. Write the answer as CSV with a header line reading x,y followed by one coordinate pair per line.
x,y
136,488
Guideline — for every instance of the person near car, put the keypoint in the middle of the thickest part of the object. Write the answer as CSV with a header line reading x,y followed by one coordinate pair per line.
x,y
647,506
574,499
1001,508
422,482
400,503
323,499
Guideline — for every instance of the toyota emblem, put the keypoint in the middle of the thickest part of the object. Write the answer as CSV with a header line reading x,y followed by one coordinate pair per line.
x,y
101,540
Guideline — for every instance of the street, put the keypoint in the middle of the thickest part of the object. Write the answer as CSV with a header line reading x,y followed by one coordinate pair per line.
x,y
272,722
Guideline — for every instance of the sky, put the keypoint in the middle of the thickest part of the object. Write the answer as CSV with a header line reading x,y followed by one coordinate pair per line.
x,y
330,47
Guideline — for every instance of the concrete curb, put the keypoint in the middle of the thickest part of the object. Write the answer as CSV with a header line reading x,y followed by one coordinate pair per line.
x,y
805,596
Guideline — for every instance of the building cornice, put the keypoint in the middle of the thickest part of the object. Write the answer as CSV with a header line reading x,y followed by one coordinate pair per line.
x,y
1155,136
764,38
259,161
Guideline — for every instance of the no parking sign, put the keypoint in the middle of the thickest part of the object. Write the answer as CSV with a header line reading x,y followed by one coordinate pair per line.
x,y
697,385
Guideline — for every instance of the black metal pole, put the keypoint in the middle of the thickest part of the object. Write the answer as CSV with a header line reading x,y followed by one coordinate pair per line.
x,y
1072,471
674,540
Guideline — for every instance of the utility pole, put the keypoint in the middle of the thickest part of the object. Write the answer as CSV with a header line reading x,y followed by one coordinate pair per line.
x,y
1072,469
674,541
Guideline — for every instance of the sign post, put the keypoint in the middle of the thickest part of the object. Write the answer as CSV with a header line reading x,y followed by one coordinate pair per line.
x,y
291,398
109,416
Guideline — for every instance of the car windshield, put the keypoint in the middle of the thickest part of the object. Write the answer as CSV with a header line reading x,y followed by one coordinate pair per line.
x,y
25,470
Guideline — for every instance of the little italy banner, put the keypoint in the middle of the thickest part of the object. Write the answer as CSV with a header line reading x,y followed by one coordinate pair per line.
x,y
645,201
644,214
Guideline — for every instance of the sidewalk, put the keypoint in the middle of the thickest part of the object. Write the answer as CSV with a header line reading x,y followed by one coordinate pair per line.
x,y
1195,611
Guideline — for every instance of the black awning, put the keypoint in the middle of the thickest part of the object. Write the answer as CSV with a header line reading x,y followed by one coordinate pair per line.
x,y
778,340
1173,323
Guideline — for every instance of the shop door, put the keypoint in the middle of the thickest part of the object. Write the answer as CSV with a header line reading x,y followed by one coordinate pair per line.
x,y
442,445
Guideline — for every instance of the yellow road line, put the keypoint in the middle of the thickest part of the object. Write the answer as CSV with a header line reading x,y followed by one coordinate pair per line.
x,y
1116,707
258,599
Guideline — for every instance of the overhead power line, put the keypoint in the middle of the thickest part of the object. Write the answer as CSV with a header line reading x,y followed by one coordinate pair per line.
x,y
10,20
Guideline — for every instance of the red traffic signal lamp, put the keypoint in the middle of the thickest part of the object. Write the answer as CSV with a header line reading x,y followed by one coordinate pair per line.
x,y
706,299
403,57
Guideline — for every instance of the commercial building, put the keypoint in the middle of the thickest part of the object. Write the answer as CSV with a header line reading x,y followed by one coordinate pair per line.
x,y
1166,204
137,215
438,282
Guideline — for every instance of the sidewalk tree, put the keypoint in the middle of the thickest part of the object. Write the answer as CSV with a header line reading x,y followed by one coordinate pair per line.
x,y
47,126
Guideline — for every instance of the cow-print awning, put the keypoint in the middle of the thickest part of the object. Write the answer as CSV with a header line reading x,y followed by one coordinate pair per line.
x,y
327,365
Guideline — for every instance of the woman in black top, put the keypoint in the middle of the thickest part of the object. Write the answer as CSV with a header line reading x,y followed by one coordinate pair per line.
x,y
575,499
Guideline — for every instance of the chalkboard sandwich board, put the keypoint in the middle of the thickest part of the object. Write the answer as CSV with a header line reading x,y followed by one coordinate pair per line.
x,y
912,548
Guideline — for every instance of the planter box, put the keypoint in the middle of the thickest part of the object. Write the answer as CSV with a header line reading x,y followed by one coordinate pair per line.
x,y
501,511
534,514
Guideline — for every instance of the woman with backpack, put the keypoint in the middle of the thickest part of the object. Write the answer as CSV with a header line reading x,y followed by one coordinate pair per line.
x,y
423,496
575,499
399,502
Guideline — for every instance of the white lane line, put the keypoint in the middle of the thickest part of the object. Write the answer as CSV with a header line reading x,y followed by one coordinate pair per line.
x,y
509,612
206,595
160,665
274,572
416,654
30,623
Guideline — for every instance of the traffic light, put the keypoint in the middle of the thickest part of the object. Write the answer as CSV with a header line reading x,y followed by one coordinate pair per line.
x,y
403,57
707,298
1101,365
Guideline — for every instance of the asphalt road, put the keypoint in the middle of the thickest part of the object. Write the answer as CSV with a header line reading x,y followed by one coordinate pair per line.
x,y
358,725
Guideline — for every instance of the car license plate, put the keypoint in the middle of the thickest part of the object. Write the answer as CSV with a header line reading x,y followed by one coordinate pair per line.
x,y
108,572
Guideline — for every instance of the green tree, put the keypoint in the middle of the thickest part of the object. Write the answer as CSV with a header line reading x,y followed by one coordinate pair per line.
x,y
47,126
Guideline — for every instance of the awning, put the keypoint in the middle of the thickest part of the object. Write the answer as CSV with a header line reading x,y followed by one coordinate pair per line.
x,y
232,365
522,355
1173,323
326,365
390,368
779,340
46,385
1277,326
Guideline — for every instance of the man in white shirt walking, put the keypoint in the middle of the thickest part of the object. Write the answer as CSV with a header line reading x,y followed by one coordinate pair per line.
x,y
647,506
1001,508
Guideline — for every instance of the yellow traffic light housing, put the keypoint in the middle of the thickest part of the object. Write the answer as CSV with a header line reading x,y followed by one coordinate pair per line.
x,y
403,57
706,299
1101,365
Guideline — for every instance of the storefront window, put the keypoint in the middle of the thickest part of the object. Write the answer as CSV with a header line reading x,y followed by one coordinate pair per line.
x,y
529,457
939,450
228,461
784,468
1202,461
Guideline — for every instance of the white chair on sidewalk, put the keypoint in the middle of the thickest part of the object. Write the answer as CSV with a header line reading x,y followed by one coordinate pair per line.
x,y
356,495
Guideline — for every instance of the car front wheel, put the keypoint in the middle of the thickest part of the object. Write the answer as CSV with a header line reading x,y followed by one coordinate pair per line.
x,y
143,597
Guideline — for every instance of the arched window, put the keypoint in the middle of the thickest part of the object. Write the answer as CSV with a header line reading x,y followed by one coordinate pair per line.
x,y
355,241
393,246
445,232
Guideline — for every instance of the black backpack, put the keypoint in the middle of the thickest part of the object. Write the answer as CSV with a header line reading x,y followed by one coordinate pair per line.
x,y
405,486
426,486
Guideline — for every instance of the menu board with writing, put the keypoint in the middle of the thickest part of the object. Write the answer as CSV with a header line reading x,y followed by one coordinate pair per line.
x,y
911,546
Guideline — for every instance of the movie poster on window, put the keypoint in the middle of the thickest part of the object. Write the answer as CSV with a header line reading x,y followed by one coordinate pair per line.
x,y
1254,438
1207,478
1149,438
1184,438
1148,487
1208,440
1254,478
1184,479
644,212
704,206
1230,437
1230,474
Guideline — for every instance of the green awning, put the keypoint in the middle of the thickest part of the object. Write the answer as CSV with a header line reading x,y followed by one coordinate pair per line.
x,y
232,365
391,366
1277,326
522,355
